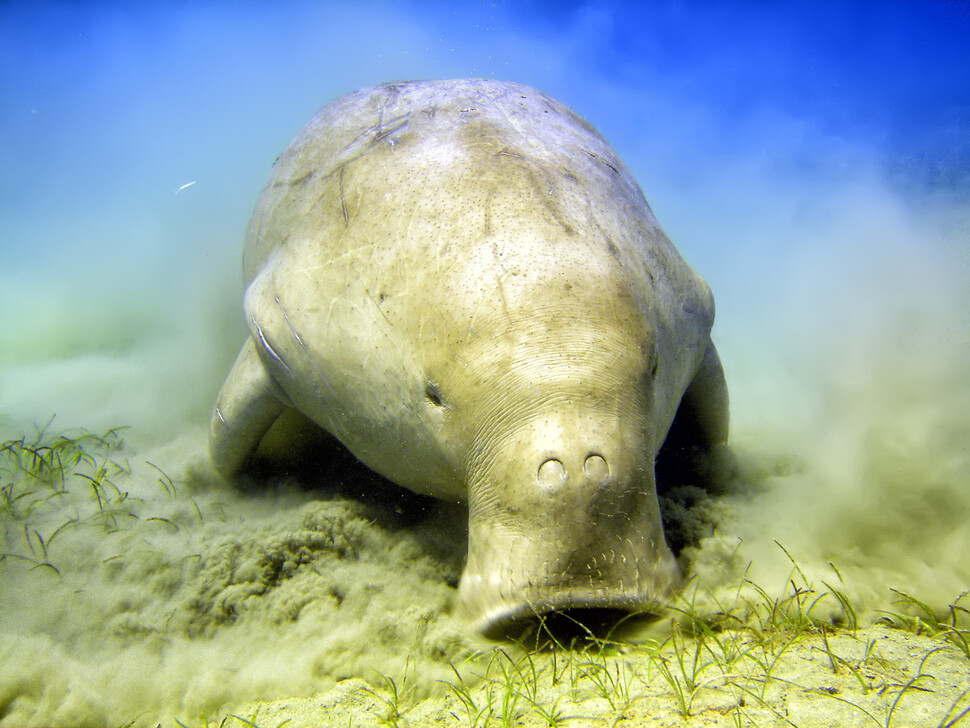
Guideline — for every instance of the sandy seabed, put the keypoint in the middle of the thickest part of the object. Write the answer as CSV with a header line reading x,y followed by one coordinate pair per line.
x,y
132,597
875,676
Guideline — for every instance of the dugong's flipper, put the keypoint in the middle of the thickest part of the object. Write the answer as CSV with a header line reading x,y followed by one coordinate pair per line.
x,y
248,405
702,418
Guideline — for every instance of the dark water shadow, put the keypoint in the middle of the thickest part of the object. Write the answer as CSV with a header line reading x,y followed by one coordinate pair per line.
x,y
577,629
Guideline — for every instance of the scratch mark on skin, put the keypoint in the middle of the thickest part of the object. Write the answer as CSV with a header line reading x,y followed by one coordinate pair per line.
x,y
269,349
461,361
548,194
326,321
488,213
506,152
499,280
513,121
406,242
352,257
383,132
602,160
343,201
297,182
221,418
380,311
287,319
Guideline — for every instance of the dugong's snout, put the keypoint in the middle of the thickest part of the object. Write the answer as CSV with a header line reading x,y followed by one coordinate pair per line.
x,y
577,529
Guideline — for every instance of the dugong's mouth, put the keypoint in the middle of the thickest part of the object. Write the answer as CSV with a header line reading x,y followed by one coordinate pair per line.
x,y
498,598
582,607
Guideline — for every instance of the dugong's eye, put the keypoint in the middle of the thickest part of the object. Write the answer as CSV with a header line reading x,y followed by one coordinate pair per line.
x,y
653,365
433,393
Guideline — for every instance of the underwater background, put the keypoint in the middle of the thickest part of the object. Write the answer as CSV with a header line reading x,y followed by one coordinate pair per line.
x,y
810,160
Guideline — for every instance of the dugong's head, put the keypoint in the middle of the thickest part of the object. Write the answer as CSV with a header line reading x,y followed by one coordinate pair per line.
x,y
562,397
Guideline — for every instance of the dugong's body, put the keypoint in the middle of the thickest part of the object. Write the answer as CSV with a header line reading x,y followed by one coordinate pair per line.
x,y
461,282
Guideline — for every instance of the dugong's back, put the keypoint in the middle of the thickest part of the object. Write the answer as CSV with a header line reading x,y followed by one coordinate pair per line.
x,y
461,157
407,219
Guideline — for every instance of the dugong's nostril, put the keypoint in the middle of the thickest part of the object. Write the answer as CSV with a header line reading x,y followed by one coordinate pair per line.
x,y
596,468
551,473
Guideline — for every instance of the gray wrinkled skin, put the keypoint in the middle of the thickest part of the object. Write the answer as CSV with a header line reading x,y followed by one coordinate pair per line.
x,y
462,283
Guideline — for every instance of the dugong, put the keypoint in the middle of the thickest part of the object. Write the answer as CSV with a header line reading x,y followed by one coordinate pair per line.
x,y
462,283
